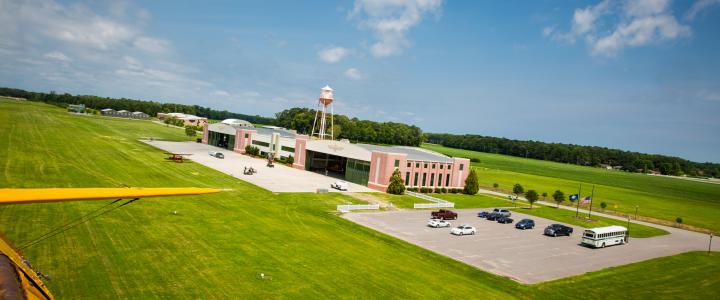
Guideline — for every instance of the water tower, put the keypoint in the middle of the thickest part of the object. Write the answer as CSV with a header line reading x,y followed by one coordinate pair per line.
x,y
321,114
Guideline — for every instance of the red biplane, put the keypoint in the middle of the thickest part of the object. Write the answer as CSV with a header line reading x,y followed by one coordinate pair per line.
x,y
176,157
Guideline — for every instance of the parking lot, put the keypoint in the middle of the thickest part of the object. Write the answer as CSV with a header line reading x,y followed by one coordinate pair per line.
x,y
281,178
523,255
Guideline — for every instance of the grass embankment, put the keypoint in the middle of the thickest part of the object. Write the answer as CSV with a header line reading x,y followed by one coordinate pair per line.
x,y
663,198
217,245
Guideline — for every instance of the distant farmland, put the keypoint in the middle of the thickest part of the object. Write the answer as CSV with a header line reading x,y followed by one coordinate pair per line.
x,y
697,203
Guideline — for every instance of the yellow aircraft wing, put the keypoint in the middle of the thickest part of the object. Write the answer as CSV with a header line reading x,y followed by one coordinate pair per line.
x,y
16,196
17,279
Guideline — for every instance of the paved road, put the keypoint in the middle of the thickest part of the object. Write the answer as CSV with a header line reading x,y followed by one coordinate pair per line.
x,y
526,256
278,179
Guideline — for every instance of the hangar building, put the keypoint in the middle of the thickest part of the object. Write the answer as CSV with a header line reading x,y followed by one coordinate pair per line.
x,y
370,165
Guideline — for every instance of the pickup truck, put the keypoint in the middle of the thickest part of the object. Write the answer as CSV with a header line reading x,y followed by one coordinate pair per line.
x,y
444,214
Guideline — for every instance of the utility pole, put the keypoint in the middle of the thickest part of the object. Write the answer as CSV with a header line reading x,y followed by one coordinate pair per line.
x,y
577,210
627,235
592,195
710,245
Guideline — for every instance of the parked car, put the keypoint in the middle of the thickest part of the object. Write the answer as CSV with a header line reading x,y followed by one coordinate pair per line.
x,y
525,224
339,185
437,223
483,214
504,220
444,214
502,212
492,216
558,229
463,230
217,154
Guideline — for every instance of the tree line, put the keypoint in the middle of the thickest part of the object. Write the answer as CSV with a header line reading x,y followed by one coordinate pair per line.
x,y
300,119
577,154
149,107
353,129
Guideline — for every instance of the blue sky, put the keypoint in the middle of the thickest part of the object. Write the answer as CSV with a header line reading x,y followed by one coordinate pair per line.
x,y
636,75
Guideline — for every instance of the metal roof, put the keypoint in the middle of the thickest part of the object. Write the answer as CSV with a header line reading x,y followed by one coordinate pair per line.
x,y
222,128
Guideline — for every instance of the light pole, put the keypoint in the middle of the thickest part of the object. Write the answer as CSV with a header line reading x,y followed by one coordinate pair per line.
x,y
710,245
636,211
627,237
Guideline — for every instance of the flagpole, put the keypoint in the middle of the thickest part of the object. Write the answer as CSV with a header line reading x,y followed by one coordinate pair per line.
x,y
592,195
577,210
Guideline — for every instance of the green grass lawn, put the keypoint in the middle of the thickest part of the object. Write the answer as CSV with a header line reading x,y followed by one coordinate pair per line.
x,y
568,217
401,201
476,201
217,245
663,198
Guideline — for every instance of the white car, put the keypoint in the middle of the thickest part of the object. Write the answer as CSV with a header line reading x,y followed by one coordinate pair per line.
x,y
339,185
463,230
437,223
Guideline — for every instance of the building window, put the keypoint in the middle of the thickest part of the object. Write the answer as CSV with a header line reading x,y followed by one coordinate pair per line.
x,y
407,178
247,135
447,180
409,165
259,143
424,177
461,167
439,183
432,179
397,163
417,165
425,166
288,149
449,166
441,166
415,181
433,166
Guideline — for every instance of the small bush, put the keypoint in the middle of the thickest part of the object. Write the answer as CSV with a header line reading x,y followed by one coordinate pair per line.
x,y
437,191
475,160
679,220
495,185
443,190
290,160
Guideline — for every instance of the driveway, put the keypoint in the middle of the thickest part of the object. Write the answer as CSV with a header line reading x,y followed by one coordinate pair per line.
x,y
281,178
526,256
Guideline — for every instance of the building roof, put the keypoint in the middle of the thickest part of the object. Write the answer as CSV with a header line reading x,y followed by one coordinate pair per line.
x,y
364,151
222,128
108,109
138,113
122,111
237,123
286,133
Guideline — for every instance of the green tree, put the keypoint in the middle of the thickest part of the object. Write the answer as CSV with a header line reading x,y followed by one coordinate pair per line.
x,y
544,195
532,197
397,186
495,185
603,205
518,189
189,131
559,197
678,220
471,183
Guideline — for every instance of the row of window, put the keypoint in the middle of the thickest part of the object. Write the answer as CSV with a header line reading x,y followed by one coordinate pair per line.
x,y
432,182
259,143
425,165
609,234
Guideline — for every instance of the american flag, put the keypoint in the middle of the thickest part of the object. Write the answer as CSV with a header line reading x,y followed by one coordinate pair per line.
x,y
585,200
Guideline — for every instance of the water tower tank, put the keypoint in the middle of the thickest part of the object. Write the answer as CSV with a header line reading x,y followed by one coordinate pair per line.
x,y
326,95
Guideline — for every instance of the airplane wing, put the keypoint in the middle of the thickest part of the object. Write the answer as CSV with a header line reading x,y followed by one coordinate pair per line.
x,y
16,196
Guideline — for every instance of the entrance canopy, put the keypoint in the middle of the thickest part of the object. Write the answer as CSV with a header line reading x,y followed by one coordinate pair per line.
x,y
338,148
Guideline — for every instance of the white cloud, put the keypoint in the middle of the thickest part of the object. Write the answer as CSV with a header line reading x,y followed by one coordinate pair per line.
x,y
353,74
548,30
609,27
57,55
699,6
220,93
152,44
391,20
332,55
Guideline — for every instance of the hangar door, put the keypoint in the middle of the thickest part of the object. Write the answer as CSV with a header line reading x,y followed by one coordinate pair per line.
x,y
352,170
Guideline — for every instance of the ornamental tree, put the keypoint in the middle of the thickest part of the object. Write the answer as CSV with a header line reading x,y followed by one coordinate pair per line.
x,y
397,185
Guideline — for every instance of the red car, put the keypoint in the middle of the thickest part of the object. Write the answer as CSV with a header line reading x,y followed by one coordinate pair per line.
x,y
444,214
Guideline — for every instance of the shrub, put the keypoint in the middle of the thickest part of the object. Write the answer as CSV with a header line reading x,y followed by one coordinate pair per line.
x,y
603,205
443,190
495,185
475,160
437,191
678,220
397,186
471,183
252,150
518,189
290,160
544,195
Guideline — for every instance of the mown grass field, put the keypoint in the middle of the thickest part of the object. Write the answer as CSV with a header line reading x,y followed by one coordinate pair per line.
x,y
658,197
217,245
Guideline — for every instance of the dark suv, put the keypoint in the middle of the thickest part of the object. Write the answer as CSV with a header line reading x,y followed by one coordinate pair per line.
x,y
558,229
525,224
444,214
504,220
